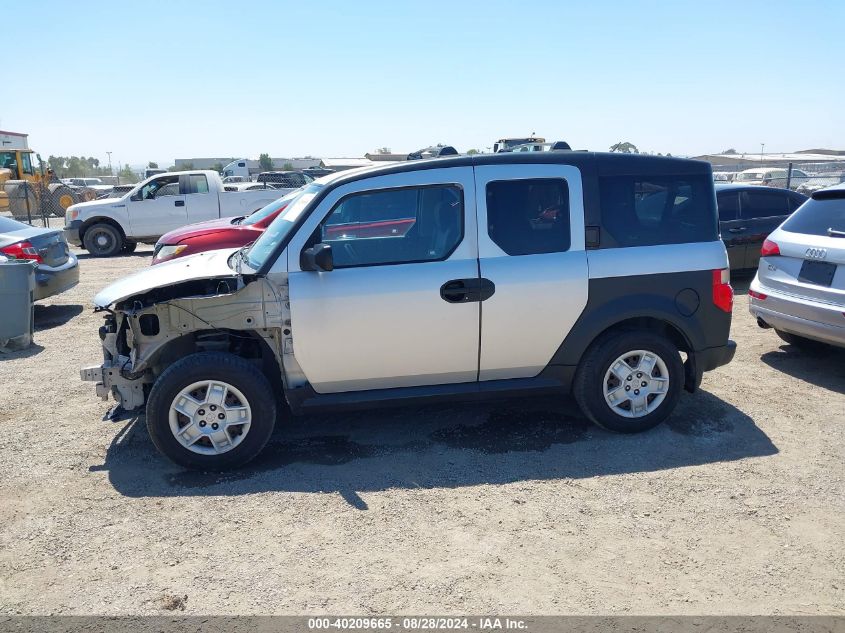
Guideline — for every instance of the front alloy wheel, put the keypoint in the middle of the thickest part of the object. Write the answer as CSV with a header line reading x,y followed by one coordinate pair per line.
x,y
210,417
211,411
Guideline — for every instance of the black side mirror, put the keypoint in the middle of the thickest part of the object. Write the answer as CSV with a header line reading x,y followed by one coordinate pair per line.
x,y
318,257
136,197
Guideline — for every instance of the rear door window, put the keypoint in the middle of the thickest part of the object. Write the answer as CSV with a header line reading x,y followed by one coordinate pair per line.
x,y
197,183
763,204
528,217
657,210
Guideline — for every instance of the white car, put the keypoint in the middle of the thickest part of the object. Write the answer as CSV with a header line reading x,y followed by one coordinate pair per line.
x,y
771,177
156,206
799,289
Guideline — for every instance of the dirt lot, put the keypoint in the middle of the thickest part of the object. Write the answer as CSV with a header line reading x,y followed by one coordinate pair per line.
x,y
736,506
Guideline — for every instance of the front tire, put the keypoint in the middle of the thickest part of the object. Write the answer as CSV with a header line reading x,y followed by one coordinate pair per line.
x,y
629,381
211,411
103,240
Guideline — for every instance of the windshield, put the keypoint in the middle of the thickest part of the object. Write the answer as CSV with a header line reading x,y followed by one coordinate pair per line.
x,y
279,230
750,175
816,217
271,208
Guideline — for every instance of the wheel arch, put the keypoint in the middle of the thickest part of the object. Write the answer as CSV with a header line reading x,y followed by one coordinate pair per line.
x,y
87,224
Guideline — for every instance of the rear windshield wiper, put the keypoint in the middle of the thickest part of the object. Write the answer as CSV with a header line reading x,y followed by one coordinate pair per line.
x,y
835,233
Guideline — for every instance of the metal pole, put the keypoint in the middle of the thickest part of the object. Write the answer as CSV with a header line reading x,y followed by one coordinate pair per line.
x,y
789,176
26,197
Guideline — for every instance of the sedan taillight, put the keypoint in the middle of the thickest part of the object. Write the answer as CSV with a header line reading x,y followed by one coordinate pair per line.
x,y
22,250
769,248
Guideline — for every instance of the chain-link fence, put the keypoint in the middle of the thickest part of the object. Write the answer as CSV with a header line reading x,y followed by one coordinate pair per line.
x,y
802,177
36,202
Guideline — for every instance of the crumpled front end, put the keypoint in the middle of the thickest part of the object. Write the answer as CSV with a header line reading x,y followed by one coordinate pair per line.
x,y
145,333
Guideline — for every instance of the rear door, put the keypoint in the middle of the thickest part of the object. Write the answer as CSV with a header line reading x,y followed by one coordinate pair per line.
x,y
761,213
531,254
202,204
731,227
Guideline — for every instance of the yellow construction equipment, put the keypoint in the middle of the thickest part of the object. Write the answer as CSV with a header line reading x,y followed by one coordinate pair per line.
x,y
28,190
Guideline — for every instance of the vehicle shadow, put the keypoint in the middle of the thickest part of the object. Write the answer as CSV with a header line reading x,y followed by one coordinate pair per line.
x,y
444,447
32,350
51,316
823,367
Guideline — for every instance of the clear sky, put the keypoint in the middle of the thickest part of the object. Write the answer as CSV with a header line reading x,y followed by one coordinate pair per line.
x,y
159,80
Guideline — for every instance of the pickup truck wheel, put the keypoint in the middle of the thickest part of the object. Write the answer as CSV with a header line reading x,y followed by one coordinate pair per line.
x,y
629,382
103,240
211,411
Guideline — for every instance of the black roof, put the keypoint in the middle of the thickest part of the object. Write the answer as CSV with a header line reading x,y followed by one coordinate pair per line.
x,y
602,163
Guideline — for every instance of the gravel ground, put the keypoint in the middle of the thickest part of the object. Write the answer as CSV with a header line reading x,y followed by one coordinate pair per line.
x,y
736,506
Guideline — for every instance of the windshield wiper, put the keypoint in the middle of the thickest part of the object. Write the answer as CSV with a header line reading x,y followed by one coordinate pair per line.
x,y
835,233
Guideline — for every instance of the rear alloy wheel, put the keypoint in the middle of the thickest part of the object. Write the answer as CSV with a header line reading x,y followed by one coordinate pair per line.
x,y
630,381
211,411
103,240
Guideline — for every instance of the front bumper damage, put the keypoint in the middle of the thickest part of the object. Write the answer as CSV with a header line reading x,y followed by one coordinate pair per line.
x,y
110,379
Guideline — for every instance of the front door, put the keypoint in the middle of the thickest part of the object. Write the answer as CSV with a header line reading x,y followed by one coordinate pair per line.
x,y
531,248
158,207
401,307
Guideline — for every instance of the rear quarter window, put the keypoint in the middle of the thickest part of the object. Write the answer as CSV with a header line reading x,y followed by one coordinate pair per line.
x,y
654,210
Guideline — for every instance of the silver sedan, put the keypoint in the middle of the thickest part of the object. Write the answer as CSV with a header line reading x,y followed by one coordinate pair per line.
x,y
799,289
58,268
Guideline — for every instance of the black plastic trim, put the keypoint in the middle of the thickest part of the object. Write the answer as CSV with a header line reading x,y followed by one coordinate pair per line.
x,y
306,399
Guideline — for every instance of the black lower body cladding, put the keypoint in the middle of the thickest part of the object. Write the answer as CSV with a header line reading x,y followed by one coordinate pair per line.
x,y
680,305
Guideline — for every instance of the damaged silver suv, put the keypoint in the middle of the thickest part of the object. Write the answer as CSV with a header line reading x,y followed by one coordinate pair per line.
x,y
600,275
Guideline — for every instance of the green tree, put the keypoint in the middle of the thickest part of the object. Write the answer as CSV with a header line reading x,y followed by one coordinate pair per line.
x,y
265,162
152,165
729,151
126,175
470,152
624,147
218,167
287,166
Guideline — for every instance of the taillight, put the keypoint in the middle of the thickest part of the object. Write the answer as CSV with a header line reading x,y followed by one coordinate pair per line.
x,y
757,295
769,248
723,294
22,250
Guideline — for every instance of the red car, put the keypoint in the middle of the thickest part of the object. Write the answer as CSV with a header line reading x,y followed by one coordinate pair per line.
x,y
215,234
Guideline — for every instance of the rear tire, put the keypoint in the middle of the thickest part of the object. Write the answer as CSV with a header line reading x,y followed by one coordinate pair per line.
x,y
103,240
806,344
247,388
629,381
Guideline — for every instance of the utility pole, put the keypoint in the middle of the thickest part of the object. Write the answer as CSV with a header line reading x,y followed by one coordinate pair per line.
x,y
111,173
762,146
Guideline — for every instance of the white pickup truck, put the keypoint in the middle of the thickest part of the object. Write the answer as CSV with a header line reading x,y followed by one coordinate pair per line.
x,y
155,206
